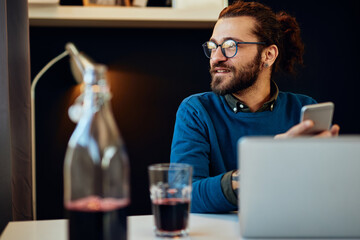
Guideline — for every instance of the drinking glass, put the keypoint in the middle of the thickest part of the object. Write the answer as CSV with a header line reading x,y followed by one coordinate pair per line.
x,y
170,193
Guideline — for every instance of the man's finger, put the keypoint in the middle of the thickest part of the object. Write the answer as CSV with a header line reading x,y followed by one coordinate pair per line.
x,y
335,129
300,128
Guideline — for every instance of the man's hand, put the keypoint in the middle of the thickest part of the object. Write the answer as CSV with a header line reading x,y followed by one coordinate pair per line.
x,y
301,128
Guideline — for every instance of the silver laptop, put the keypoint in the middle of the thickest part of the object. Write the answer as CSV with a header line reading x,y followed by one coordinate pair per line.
x,y
302,187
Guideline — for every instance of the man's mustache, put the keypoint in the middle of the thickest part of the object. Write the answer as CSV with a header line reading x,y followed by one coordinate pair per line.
x,y
221,65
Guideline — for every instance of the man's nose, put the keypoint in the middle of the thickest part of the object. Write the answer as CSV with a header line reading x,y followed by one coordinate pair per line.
x,y
217,56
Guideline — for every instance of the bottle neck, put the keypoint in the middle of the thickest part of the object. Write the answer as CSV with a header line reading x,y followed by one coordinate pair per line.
x,y
96,97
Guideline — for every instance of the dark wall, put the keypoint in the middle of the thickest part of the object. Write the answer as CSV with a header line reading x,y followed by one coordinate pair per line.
x,y
152,70
329,31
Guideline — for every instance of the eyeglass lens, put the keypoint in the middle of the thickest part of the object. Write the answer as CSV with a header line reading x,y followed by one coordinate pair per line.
x,y
228,48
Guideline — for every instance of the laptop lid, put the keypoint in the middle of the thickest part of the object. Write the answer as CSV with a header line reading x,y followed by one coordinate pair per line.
x,y
302,187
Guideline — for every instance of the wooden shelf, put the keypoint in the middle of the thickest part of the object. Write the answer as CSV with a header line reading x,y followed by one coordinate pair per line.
x,y
132,17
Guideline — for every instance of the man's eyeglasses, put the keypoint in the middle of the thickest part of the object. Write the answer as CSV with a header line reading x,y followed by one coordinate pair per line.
x,y
229,47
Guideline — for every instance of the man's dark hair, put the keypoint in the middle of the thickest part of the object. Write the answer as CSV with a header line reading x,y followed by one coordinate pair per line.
x,y
280,29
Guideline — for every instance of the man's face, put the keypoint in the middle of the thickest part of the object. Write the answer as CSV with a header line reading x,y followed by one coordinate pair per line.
x,y
231,75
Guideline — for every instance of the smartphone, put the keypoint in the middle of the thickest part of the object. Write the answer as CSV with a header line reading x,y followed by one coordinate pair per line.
x,y
320,113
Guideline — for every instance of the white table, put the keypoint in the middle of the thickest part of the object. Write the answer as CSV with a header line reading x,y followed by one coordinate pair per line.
x,y
202,227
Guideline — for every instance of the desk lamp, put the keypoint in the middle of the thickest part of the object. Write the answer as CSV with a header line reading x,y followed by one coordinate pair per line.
x,y
78,63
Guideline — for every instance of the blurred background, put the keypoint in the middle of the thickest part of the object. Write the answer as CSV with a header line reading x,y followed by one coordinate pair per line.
x,y
151,70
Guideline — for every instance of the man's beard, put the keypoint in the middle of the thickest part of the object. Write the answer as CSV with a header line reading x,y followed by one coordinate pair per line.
x,y
244,77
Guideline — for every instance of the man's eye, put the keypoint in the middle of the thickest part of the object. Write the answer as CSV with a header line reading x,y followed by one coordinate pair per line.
x,y
229,44
211,46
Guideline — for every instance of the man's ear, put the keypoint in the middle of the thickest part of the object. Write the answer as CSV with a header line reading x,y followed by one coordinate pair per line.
x,y
269,55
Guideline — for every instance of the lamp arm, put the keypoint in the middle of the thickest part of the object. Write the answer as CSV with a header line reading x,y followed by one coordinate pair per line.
x,y
33,156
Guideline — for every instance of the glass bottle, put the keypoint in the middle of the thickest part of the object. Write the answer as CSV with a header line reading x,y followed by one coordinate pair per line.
x,y
96,168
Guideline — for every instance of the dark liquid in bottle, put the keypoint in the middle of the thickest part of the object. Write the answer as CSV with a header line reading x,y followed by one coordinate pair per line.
x,y
97,220
171,214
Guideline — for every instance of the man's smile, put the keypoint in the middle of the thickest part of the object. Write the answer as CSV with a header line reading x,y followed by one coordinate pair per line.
x,y
220,70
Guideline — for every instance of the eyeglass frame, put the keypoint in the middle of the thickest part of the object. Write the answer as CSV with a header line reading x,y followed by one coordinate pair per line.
x,y
204,45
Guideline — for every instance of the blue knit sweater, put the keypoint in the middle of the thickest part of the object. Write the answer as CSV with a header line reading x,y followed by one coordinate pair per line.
x,y
206,134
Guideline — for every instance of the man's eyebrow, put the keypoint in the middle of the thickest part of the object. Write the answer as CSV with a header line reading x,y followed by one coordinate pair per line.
x,y
213,40
233,38
226,38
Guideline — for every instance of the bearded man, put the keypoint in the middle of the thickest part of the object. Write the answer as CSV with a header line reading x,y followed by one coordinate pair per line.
x,y
248,45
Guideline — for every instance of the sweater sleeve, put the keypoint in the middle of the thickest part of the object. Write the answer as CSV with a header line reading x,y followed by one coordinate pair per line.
x,y
191,145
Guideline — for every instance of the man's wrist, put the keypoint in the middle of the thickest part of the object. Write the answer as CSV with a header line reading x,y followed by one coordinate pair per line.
x,y
226,187
235,181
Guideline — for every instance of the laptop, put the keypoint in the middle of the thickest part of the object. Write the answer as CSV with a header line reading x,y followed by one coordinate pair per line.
x,y
299,188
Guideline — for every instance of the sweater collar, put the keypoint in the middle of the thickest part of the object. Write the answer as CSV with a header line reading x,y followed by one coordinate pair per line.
x,y
237,106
